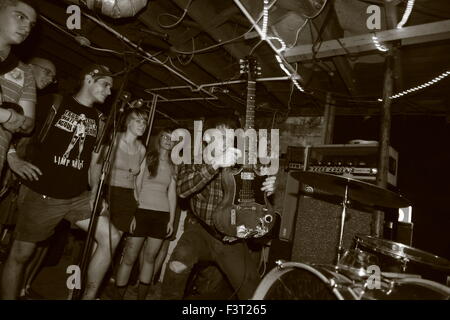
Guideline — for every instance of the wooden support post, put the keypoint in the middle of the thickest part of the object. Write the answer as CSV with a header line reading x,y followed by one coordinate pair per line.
x,y
383,160
329,115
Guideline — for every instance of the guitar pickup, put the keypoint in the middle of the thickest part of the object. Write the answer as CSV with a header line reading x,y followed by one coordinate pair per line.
x,y
247,175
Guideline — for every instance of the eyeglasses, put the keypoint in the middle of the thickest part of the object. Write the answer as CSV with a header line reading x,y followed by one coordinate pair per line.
x,y
47,72
166,137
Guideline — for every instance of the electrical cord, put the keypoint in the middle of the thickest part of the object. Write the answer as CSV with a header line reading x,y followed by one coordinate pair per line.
x,y
318,12
297,34
255,46
173,16
191,57
203,50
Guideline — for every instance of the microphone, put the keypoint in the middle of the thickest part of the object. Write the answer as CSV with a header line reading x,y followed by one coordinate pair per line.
x,y
137,103
124,98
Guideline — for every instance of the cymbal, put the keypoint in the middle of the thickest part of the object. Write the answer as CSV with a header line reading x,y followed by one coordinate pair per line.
x,y
360,191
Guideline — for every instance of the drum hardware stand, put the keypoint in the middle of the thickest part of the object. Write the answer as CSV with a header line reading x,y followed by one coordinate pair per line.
x,y
341,229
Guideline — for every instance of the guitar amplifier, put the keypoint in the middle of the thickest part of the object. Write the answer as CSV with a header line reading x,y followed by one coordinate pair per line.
x,y
357,161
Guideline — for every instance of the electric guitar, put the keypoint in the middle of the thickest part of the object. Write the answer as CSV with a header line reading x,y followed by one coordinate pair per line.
x,y
245,211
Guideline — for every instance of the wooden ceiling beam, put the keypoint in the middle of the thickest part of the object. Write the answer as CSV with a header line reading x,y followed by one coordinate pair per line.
x,y
423,33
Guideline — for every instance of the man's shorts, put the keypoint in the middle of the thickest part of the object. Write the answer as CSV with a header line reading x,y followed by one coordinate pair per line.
x,y
38,215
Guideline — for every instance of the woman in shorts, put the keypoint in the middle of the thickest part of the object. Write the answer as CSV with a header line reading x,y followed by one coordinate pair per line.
x,y
127,156
154,219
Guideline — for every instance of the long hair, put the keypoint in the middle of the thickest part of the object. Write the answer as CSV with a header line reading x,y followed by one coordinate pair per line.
x,y
126,118
154,151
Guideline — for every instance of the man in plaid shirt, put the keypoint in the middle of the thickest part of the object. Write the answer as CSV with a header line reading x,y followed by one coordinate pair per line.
x,y
200,242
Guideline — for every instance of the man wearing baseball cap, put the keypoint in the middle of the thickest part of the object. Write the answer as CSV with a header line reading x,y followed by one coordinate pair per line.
x,y
55,182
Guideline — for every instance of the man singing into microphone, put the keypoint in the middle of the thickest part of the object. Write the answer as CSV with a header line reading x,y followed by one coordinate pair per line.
x,y
55,183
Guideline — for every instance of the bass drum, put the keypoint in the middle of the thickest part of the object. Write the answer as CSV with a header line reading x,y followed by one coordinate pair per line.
x,y
298,281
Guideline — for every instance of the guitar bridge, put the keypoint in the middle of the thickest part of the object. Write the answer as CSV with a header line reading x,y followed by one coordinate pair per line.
x,y
247,175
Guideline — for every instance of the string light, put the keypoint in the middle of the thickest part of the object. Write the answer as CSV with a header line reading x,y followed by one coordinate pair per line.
x,y
406,14
379,46
265,19
282,43
280,49
283,67
419,87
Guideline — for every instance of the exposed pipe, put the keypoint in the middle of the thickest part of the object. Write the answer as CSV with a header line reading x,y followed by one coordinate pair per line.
x,y
216,84
152,58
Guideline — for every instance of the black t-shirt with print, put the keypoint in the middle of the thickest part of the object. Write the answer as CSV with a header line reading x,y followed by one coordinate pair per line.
x,y
65,154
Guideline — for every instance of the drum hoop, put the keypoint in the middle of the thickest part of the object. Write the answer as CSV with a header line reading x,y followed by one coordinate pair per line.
x,y
428,283
372,242
283,268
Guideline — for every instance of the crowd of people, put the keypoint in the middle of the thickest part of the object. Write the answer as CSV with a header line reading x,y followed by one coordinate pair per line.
x,y
51,171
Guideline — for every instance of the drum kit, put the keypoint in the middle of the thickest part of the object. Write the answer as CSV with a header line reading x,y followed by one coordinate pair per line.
x,y
374,269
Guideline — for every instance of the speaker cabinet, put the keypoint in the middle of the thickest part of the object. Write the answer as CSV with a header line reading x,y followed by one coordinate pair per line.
x,y
311,225
316,238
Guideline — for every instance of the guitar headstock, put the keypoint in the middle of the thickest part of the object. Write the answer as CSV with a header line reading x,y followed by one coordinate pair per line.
x,y
249,65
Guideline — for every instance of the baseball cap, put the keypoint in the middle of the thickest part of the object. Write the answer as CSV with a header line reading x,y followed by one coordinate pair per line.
x,y
96,71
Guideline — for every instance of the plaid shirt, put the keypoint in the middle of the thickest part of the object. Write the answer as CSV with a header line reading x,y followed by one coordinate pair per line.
x,y
203,184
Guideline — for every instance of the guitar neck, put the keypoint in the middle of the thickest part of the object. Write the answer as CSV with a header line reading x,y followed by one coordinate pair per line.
x,y
250,111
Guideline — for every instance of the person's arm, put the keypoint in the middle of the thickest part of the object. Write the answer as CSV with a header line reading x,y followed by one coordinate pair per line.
x,y
95,171
172,195
29,113
28,102
5,114
22,168
193,178
139,180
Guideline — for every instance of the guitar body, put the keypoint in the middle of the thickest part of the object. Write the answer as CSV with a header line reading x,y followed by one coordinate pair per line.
x,y
245,212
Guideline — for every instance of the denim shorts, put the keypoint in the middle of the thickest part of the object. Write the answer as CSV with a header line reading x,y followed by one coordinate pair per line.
x,y
38,215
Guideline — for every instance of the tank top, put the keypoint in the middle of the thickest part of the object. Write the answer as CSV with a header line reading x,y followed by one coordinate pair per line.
x,y
153,195
125,166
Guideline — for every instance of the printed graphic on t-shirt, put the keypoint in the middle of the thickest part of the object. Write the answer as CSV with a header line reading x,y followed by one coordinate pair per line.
x,y
81,126
17,76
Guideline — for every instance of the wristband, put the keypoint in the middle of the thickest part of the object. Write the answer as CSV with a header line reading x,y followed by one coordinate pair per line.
x,y
11,150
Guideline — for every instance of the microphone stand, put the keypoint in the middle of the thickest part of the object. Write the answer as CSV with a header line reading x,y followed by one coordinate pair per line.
x,y
87,249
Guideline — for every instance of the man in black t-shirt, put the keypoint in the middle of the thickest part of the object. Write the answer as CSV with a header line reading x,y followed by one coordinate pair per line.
x,y
56,181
